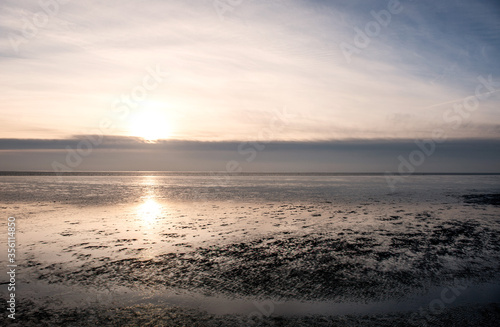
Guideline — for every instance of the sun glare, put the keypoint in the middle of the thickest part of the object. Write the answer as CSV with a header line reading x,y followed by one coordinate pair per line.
x,y
151,124
149,211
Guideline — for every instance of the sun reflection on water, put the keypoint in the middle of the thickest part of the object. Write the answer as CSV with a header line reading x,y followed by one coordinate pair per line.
x,y
150,211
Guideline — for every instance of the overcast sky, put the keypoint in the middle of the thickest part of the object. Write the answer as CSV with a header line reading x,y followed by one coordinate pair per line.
x,y
307,73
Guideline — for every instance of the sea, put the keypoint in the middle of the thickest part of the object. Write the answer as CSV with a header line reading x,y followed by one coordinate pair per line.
x,y
248,248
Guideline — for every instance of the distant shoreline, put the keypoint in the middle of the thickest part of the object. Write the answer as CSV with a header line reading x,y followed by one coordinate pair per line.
x,y
223,173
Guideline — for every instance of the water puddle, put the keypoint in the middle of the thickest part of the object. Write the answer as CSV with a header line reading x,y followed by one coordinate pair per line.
x,y
436,298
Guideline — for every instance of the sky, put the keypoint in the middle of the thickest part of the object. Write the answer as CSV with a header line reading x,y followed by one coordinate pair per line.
x,y
188,85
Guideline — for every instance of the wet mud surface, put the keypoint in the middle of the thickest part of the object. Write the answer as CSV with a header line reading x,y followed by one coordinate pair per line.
x,y
492,199
154,315
339,247
375,265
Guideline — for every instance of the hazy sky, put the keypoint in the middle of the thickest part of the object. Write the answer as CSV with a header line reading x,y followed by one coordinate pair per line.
x,y
302,72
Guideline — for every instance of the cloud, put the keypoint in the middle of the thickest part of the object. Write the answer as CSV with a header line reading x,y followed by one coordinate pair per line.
x,y
368,155
225,77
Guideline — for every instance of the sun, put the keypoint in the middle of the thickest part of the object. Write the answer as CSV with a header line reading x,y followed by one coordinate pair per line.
x,y
151,124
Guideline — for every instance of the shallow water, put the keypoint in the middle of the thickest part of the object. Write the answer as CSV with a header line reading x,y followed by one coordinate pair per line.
x,y
285,244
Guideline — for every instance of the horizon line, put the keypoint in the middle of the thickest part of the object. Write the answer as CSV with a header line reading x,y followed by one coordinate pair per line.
x,y
200,172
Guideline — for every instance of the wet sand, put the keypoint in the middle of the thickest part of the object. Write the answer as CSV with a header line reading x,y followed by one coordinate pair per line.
x,y
161,315
151,258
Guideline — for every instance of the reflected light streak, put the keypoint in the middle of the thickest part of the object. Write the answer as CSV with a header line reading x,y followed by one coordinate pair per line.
x,y
150,211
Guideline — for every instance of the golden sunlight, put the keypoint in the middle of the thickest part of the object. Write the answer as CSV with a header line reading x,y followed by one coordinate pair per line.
x,y
150,123
149,211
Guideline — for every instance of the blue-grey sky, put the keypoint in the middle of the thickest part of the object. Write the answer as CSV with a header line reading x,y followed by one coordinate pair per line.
x,y
300,72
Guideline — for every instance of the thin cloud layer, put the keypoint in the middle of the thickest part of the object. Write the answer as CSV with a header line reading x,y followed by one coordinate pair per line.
x,y
227,72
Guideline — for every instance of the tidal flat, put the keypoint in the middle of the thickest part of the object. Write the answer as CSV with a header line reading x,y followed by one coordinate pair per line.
x,y
255,250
